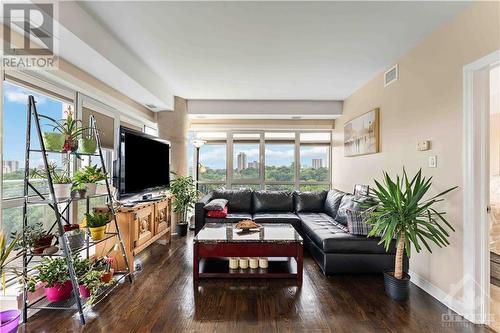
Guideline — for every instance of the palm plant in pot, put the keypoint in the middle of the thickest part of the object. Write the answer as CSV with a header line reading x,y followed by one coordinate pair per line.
x,y
89,176
60,179
183,188
399,211
9,319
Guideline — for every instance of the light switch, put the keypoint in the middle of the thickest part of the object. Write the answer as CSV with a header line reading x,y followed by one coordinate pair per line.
x,y
433,161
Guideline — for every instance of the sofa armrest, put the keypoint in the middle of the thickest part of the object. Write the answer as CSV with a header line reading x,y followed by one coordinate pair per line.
x,y
199,212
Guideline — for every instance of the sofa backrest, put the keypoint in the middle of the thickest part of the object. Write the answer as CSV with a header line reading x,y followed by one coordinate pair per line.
x,y
238,200
332,202
309,202
272,201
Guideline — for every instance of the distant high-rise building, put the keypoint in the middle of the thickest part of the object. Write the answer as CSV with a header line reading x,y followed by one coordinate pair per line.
x,y
317,163
253,165
242,161
10,166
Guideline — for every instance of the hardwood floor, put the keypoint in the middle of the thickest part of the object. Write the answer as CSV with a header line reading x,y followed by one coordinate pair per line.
x,y
162,299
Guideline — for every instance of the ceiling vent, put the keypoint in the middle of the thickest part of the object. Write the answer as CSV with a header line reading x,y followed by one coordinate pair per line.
x,y
391,75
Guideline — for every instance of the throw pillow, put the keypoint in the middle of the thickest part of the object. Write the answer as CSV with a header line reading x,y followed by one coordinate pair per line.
x,y
217,213
351,202
216,204
355,222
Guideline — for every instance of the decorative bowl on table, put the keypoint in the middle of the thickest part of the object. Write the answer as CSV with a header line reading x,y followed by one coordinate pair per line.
x,y
247,226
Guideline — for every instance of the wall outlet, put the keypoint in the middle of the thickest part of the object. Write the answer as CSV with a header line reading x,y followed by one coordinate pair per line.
x,y
423,145
433,161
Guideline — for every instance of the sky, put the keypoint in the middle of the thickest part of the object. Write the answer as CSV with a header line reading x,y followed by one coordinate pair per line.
x,y
214,156
14,121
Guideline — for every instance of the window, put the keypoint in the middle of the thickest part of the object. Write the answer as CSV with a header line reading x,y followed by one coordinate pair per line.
x,y
291,160
212,164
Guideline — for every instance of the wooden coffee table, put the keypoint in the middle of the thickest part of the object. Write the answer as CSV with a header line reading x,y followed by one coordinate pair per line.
x,y
216,242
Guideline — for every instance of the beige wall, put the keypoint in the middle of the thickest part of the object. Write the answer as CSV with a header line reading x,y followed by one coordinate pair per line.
x,y
495,144
424,104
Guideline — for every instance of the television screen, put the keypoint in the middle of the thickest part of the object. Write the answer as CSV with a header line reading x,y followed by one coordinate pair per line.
x,y
143,163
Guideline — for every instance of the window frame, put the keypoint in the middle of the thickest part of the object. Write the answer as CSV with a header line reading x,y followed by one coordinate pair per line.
x,y
262,182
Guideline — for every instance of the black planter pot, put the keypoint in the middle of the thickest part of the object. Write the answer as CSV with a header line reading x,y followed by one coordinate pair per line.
x,y
181,228
395,288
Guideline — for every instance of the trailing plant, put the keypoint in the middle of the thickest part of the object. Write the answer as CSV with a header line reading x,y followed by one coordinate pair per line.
x,y
5,259
81,267
32,234
183,188
59,176
92,281
97,219
401,212
102,264
89,174
51,271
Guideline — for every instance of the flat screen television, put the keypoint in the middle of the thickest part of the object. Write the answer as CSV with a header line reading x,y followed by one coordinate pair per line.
x,y
143,163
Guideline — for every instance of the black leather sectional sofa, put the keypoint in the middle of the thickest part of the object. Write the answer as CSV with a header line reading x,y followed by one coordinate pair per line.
x,y
320,217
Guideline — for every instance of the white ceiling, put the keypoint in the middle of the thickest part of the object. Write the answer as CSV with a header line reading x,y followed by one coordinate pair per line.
x,y
278,50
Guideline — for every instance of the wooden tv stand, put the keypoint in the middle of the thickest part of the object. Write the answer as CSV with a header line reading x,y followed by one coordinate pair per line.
x,y
140,226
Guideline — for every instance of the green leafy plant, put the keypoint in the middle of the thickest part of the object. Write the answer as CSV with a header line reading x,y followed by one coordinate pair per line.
x,y
183,188
5,258
69,127
89,174
51,271
97,219
32,234
400,211
92,281
59,176
81,267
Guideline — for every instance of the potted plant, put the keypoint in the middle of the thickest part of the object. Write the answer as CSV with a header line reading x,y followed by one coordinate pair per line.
x,y
53,273
401,212
91,282
103,264
75,236
9,319
183,188
69,128
89,176
53,141
96,222
87,145
60,179
79,190
36,238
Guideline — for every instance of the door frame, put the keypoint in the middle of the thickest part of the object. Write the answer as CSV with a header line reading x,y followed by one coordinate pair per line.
x,y
476,255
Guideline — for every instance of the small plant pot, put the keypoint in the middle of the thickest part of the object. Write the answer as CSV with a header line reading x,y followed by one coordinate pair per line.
x,y
97,233
107,276
87,146
9,321
84,291
91,188
397,289
69,227
41,244
181,229
59,292
62,191
76,241
53,141
70,145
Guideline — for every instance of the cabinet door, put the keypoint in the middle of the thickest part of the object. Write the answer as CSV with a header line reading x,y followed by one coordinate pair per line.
x,y
162,216
143,225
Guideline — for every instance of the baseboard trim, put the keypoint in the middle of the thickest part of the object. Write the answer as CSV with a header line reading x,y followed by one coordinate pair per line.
x,y
447,300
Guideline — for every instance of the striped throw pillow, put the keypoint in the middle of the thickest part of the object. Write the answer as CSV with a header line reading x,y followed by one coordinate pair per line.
x,y
355,222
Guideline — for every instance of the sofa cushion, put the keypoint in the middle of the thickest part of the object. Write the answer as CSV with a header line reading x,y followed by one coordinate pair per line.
x,y
278,217
356,222
351,202
310,201
272,201
230,218
217,213
333,237
237,200
332,202
216,204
